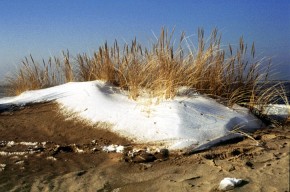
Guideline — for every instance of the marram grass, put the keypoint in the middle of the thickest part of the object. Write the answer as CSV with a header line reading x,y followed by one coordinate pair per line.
x,y
227,74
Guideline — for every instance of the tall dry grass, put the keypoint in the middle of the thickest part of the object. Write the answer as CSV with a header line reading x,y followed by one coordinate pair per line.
x,y
230,74
32,75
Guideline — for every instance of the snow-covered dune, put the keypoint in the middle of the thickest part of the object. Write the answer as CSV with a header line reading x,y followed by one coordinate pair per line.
x,y
178,123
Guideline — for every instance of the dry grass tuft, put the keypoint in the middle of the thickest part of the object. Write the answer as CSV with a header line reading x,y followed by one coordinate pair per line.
x,y
32,75
232,74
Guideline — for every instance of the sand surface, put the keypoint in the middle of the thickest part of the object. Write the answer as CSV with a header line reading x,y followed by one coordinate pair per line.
x,y
72,159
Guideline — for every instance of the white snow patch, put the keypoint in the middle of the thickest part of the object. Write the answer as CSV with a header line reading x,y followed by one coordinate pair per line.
x,y
51,158
110,148
229,183
2,167
10,143
120,149
28,143
13,143
78,150
19,162
185,121
114,148
20,153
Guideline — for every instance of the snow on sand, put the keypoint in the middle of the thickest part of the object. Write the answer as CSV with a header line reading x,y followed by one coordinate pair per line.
x,y
185,121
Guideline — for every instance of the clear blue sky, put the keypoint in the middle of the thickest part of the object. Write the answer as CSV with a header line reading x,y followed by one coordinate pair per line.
x,y
47,27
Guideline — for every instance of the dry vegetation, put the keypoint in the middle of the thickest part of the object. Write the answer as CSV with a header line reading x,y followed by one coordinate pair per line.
x,y
230,74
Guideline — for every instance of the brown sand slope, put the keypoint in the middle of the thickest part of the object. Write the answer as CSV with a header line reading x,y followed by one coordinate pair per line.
x,y
58,166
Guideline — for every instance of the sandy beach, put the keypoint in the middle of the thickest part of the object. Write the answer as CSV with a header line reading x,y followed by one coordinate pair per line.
x,y
144,96
71,159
